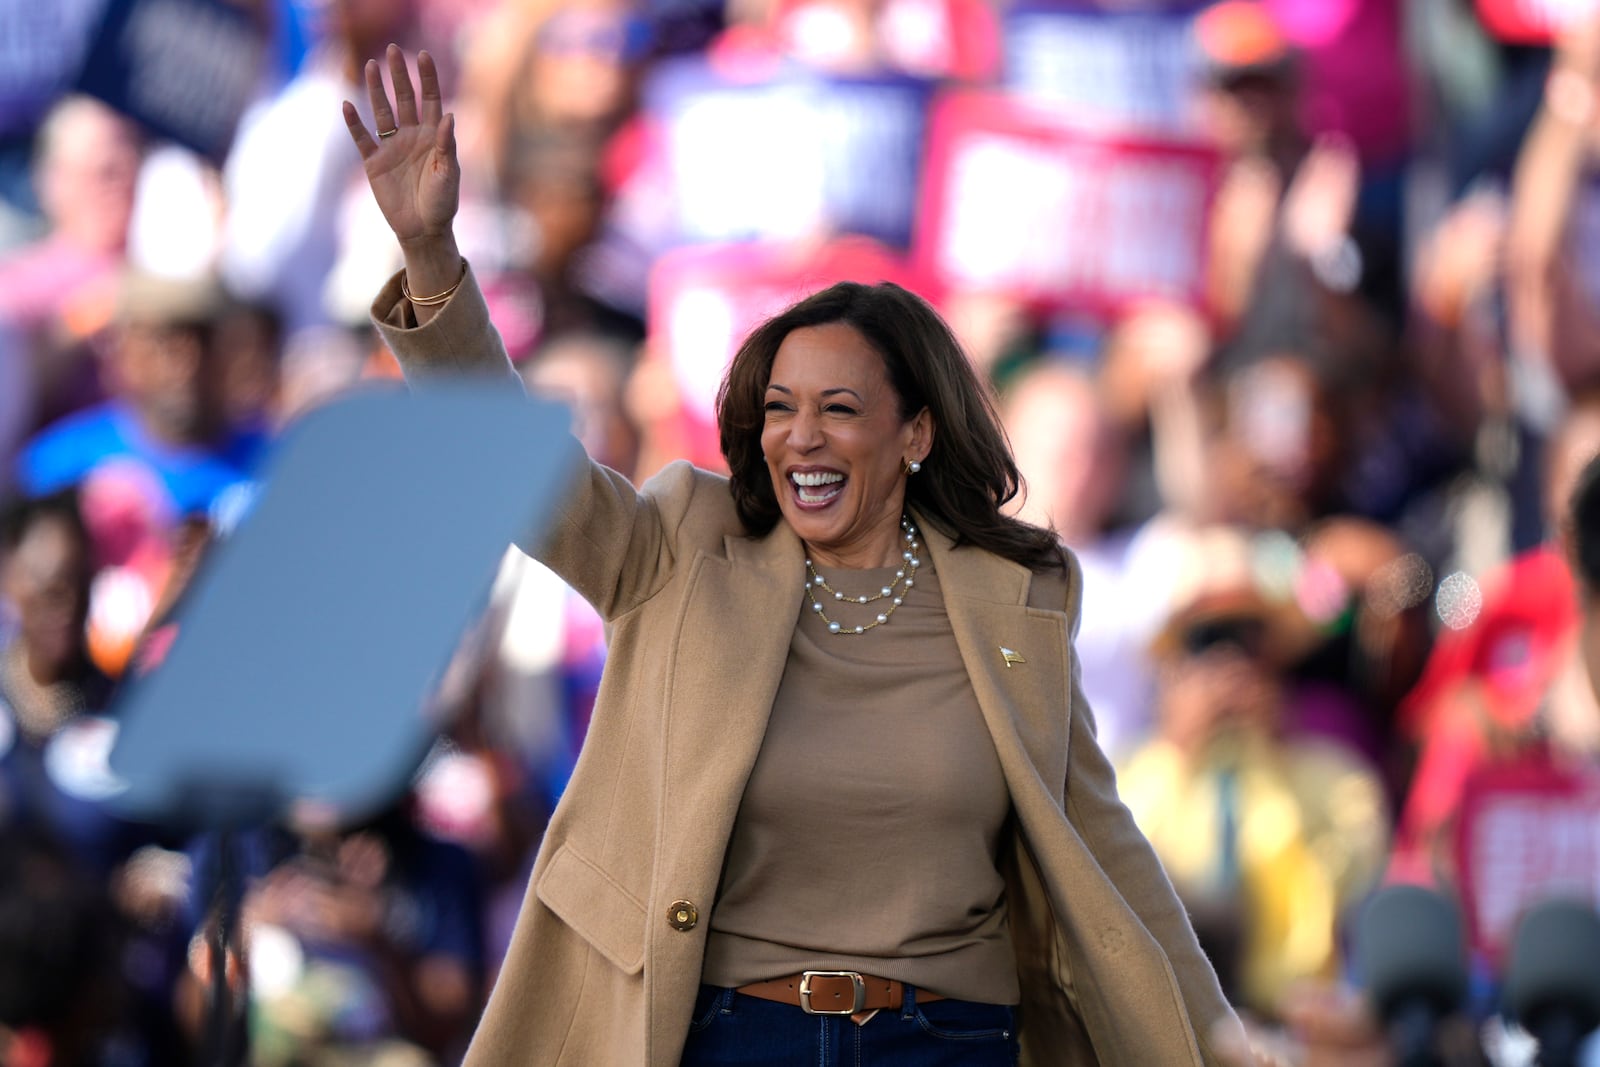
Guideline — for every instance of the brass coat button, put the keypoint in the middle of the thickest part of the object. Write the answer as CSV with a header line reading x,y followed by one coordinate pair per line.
x,y
682,915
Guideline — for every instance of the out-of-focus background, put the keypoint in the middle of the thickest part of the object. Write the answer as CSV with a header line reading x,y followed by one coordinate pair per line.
x,y
1291,307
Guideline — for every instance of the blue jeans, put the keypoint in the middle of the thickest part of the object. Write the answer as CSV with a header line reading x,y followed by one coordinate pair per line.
x,y
730,1029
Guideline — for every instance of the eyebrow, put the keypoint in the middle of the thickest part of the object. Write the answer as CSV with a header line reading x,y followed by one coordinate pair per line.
x,y
836,391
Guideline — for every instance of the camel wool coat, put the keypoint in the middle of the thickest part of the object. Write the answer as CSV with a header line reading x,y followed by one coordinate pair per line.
x,y
605,962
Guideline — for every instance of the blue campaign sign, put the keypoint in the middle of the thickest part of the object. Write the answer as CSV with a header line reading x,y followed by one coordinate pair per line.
x,y
1130,65
41,46
185,69
793,154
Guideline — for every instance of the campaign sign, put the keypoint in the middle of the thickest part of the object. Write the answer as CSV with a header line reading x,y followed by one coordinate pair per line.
x,y
792,154
1019,200
925,38
1528,830
185,69
704,301
1532,21
1135,66
41,46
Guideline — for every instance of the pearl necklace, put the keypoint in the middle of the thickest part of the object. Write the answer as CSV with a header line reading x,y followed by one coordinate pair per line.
x,y
894,592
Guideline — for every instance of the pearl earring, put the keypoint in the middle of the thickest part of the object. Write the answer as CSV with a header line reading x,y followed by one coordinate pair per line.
x,y
913,467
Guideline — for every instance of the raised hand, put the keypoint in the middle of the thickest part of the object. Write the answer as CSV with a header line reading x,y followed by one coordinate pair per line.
x,y
1321,199
412,168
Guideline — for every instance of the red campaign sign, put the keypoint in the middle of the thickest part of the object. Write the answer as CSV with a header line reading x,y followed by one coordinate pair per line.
x,y
1528,830
1532,21
703,301
1019,200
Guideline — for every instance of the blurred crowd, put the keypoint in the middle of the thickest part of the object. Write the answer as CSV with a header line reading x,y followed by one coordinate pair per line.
x,y
1291,308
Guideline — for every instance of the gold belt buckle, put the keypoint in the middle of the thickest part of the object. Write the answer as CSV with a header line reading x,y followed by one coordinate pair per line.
x,y
856,981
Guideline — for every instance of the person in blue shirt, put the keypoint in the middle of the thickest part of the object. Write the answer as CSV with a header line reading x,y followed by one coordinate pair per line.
x,y
166,409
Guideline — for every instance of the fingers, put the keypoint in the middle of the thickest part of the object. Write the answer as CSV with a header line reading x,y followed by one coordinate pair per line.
x,y
382,113
404,111
432,99
405,97
445,142
358,131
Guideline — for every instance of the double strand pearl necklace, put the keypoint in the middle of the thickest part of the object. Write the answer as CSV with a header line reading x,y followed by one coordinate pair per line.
x,y
894,592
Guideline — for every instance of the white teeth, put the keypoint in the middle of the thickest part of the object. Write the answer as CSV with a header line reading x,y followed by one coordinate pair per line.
x,y
808,497
819,478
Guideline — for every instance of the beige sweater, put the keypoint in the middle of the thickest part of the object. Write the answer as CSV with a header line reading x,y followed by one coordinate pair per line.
x,y
869,830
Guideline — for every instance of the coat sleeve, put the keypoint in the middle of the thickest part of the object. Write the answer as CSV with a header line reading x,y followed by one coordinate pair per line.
x,y
1128,859
458,342
613,543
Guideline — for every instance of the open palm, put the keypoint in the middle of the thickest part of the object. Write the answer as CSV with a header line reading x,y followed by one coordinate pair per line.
x,y
411,164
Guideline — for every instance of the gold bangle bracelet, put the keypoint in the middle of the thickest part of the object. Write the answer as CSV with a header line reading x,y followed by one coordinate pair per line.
x,y
437,298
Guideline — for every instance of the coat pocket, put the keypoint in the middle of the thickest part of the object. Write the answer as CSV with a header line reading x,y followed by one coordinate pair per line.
x,y
596,906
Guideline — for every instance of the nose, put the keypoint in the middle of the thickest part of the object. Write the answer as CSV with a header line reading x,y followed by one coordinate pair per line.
x,y
805,432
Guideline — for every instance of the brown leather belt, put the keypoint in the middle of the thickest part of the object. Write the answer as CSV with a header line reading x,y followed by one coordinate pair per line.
x,y
860,996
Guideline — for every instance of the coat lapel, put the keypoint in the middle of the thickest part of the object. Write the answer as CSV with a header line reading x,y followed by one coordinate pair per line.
x,y
737,622
1017,658
1026,699
733,643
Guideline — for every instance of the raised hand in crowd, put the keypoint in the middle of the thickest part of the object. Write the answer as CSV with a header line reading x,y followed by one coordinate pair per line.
x,y
1552,318
1320,201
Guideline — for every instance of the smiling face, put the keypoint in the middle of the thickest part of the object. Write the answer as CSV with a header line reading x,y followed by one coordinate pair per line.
x,y
836,445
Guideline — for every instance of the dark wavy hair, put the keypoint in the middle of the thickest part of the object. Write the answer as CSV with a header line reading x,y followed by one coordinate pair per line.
x,y
968,475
